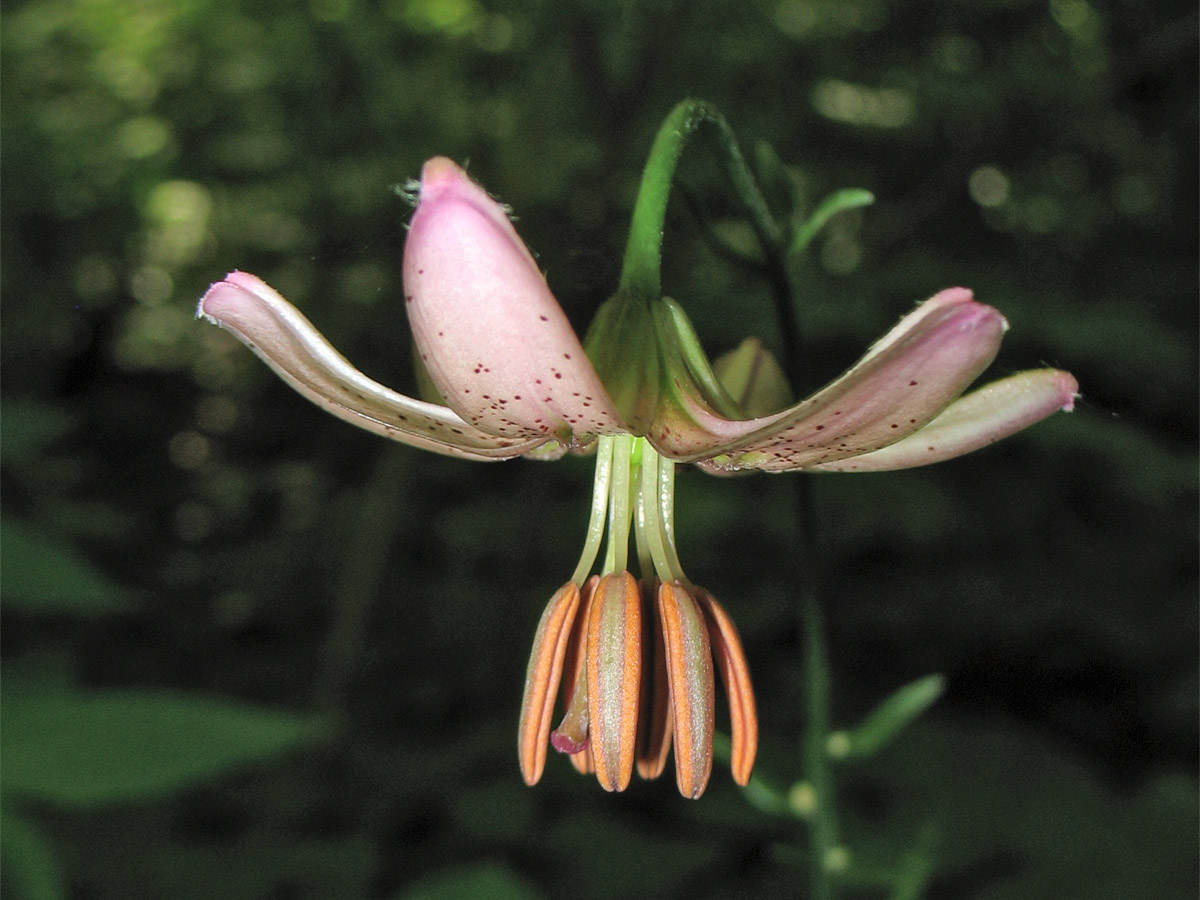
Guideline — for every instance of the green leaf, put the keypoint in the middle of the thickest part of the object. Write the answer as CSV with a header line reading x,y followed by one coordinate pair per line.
x,y
999,791
29,428
29,869
839,201
45,577
888,719
494,881
82,749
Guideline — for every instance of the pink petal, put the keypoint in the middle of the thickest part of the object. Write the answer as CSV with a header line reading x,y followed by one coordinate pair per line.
x,y
976,420
908,377
286,341
495,341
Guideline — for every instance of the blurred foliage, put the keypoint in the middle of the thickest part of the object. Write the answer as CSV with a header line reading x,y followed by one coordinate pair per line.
x,y
178,526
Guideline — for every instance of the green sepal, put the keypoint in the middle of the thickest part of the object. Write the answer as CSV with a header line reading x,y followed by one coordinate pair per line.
x,y
621,344
888,719
685,364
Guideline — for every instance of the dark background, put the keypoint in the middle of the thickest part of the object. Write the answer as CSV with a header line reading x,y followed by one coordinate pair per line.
x,y
180,528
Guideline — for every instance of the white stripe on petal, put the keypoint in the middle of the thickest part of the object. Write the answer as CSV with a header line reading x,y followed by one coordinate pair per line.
x,y
908,377
982,417
284,339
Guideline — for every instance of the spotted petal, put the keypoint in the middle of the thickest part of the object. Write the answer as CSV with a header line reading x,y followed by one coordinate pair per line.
x,y
496,344
907,378
974,421
286,341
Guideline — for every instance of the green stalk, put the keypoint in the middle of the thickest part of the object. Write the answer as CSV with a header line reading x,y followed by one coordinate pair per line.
x,y
379,514
620,511
823,830
600,491
641,271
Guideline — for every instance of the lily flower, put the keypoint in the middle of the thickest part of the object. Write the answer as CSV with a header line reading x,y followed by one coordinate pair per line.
x,y
517,381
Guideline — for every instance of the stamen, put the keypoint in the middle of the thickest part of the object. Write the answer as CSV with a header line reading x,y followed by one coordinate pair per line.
x,y
542,679
654,730
600,492
656,497
616,553
614,674
690,673
735,673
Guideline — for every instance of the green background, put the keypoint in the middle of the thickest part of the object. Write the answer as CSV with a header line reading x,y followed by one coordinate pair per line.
x,y
252,652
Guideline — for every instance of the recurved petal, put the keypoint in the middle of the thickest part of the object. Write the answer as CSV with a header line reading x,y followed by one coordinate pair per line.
x,y
690,674
542,678
495,341
903,381
286,341
614,672
735,674
980,418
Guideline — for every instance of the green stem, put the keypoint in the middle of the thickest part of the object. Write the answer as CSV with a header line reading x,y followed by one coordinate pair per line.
x,y
600,491
823,832
656,505
641,272
616,553
380,512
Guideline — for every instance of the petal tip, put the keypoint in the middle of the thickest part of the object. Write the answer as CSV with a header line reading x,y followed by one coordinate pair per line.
x,y
1068,389
440,167
440,173
952,295
221,293
207,308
